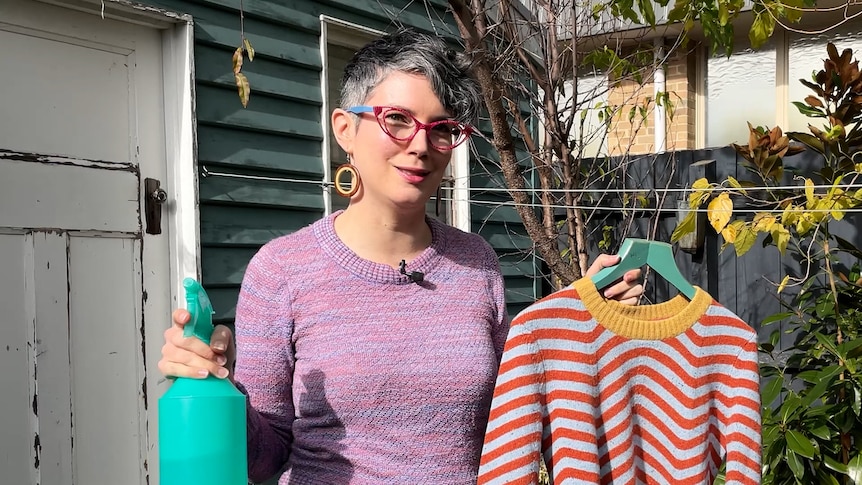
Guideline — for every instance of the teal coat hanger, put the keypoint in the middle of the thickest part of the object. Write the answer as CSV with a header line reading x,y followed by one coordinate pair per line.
x,y
635,253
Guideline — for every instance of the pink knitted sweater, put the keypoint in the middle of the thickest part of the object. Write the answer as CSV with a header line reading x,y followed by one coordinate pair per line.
x,y
357,375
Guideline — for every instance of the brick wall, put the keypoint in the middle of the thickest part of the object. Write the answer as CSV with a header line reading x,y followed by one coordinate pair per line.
x,y
637,135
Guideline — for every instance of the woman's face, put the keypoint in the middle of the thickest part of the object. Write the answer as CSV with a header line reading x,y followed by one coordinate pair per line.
x,y
403,174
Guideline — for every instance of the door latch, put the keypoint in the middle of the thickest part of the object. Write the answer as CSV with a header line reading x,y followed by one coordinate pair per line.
x,y
154,197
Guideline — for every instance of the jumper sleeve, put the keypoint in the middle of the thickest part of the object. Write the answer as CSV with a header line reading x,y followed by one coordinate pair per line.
x,y
511,451
265,363
743,436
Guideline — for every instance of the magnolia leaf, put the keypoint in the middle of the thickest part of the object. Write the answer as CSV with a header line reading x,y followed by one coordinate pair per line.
x,y
854,469
828,344
775,318
744,240
243,88
237,60
248,49
814,101
808,140
795,464
853,348
808,110
823,432
834,464
772,390
801,445
719,211
783,283
857,402
822,382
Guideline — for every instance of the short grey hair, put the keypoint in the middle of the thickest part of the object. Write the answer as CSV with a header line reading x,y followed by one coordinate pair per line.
x,y
410,51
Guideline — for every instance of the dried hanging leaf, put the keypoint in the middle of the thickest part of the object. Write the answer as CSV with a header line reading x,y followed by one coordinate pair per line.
x,y
237,60
248,49
243,88
241,80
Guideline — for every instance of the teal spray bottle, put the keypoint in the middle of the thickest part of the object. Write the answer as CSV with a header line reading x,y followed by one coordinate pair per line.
x,y
202,422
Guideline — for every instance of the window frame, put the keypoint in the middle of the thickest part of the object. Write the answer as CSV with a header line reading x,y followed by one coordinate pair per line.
x,y
455,187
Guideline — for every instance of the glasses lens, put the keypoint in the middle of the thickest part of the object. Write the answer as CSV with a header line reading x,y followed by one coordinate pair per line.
x,y
447,134
397,123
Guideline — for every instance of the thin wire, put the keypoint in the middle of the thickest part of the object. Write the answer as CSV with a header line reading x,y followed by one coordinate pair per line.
x,y
503,203
207,173
668,189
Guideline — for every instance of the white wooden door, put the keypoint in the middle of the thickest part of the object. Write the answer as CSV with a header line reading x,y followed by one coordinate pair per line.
x,y
82,286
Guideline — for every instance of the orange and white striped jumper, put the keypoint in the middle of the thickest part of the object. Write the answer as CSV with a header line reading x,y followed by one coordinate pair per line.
x,y
612,394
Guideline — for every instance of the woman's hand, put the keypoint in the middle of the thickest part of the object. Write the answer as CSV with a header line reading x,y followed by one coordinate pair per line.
x,y
628,290
190,357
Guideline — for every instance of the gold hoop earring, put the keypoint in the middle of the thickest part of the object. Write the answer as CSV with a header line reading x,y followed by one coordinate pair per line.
x,y
355,181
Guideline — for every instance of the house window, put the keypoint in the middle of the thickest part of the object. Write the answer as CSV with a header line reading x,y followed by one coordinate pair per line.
x,y
806,59
592,114
760,86
339,41
739,89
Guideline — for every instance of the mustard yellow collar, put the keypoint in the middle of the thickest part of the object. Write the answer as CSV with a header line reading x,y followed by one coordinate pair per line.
x,y
643,322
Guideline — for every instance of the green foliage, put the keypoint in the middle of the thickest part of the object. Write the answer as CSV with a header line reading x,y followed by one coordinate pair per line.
x,y
812,391
815,434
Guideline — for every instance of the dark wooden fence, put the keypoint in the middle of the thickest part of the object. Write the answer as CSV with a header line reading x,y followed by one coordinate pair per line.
x,y
746,284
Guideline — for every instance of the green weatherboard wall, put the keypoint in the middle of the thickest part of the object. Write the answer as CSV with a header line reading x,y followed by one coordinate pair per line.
x,y
280,134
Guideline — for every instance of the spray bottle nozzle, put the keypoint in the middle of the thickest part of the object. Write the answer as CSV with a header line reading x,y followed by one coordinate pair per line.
x,y
198,304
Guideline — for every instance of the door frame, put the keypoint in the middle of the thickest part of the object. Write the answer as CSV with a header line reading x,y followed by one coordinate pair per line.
x,y
178,78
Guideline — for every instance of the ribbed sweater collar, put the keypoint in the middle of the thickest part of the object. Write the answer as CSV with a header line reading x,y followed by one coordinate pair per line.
x,y
643,322
343,256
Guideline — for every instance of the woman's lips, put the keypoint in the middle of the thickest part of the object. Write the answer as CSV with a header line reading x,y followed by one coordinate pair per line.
x,y
413,176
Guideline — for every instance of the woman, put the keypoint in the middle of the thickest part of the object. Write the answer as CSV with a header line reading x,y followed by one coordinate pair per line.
x,y
368,343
